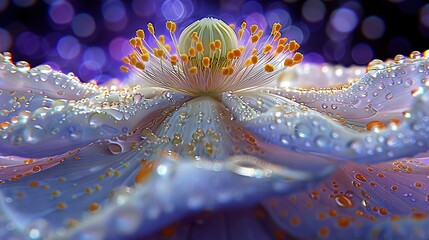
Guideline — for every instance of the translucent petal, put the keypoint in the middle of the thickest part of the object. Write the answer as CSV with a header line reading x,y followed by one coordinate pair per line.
x,y
378,95
179,188
295,127
360,202
42,80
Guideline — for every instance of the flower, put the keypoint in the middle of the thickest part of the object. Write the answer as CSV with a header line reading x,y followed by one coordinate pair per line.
x,y
208,138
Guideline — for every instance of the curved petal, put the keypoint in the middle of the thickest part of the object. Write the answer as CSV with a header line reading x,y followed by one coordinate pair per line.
x,y
381,94
180,188
42,80
295,127
360,202
213,175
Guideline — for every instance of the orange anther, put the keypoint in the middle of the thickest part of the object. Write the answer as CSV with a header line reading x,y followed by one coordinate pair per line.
x,y
206,62
150,28
253,28
140,33
200,47
140,65
184,58
193,70
269,68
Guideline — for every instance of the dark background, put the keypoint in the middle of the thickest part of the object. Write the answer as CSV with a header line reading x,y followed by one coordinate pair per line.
x,y
89,37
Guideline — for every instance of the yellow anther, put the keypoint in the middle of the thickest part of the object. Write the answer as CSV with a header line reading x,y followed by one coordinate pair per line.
x,y
171,26
140,33
254,38
269,68
132,42
293,46
247,63
227,71
168,25
133,61
243,25
162,39
237,53
282,40
241,48
280,48
167,47
297,57
158,52
140,65
240,33
212,46
253,28
230,55
206,62
254,59
173,59
218,43
184,58
132,55
286,47
193,70
288,62
150,28
124,69
267,48
200,47
126,60
195,37
232,25
254,51
277,35
192,52
139,42
276,28
143,50
145,57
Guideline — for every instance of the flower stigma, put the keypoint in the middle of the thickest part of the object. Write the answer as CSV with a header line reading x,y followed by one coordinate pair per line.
x,y
210,57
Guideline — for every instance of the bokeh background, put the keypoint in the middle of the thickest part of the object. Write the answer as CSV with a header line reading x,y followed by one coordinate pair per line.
x,y
90,37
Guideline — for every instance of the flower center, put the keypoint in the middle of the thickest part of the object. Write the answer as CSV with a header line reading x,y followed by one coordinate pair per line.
x,y
210,57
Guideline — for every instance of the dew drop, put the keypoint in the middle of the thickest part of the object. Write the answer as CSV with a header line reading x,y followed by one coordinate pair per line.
x,y
96,120
343,201
23,66
115,148
302,131
389,96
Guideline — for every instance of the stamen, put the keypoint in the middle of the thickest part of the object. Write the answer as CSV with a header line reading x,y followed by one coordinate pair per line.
x,y
193,70
232,25
192,52
297,57
199,47
288,62
253,28
150,28
140,33
124,69
206,62
269,68
140,65
173,59
267,48
184,58
218,43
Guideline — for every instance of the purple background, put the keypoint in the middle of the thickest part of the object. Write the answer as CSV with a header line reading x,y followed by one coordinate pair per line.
x,y
90,37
